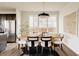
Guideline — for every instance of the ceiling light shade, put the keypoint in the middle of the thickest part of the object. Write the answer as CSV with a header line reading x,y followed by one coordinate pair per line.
x,y
43,14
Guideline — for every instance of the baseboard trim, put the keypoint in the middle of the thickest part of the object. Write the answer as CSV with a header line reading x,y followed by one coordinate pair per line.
x,y
68,51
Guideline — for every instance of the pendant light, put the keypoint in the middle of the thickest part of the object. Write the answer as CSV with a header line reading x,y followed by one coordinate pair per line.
x,y
43,14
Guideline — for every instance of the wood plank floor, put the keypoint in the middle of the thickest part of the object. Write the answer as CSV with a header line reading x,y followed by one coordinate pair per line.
x,y
12,50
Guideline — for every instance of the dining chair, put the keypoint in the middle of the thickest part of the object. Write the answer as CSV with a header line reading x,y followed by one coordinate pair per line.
x,y
57,40
46,45
21,42
32,44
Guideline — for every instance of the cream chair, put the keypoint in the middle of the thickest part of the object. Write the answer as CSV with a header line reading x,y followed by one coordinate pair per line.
x,y
57,40
21,42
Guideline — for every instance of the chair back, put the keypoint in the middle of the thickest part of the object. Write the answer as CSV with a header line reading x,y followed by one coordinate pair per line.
x,y
32,41
61,36
55,37
46,41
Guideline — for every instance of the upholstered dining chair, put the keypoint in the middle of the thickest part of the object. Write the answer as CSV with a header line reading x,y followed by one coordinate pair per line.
x,y
32,44
46,44
57,40
21,41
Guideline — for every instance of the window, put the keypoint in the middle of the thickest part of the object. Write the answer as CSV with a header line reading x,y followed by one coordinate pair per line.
x,y
52,24
42,23
36,24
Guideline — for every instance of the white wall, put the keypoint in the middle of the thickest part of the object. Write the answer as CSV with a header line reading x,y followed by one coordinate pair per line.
x,y
23,16
71,41
69,8
18,22
60,23
78,22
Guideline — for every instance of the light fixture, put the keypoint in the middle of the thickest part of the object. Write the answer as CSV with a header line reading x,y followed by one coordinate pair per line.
x,y
43,14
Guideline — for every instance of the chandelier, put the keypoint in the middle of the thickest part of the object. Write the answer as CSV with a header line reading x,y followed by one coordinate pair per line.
x,y
43,14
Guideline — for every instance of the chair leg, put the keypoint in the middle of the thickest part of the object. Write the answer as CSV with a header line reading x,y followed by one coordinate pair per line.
x,y
26,48
50,48
54,47
18,46
22,45
36,50
42,51
61,46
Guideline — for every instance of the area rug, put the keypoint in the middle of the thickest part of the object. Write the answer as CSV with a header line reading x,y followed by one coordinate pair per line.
x,y
45,52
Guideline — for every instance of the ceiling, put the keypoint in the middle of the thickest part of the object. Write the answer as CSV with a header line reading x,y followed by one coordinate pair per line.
x,y
35,6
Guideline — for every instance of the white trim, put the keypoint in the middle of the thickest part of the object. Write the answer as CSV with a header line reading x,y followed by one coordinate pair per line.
x,y
7,12
76,23
72,42
18,22
57,20
69,12
76,52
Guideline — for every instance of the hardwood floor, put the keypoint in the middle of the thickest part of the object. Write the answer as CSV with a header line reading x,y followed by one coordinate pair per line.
x,y
68,51
12,50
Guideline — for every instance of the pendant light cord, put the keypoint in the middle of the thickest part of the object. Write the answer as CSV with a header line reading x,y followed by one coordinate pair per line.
x,y
43,6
